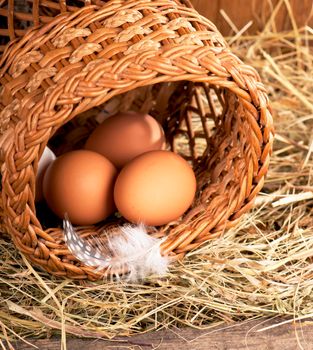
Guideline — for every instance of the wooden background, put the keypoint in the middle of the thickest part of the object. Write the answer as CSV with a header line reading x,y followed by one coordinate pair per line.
x,y
251,335
259,11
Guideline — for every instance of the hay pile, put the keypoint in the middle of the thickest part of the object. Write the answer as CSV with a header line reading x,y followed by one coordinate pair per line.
x,y
261,268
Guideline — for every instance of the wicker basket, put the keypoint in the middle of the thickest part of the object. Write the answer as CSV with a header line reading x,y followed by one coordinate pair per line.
x,y
67,59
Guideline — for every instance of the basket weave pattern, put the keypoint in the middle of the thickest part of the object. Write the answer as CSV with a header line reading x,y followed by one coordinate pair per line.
x,y
78,58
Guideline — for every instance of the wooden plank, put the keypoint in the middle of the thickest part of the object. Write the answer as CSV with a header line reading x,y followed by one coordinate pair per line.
x,y
243,11
246,335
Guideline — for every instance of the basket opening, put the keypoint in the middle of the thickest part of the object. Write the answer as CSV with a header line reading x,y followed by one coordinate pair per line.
x,y
189,114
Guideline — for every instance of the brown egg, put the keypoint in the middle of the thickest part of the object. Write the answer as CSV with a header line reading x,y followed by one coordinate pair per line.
x,y
122,137
155,188
80,183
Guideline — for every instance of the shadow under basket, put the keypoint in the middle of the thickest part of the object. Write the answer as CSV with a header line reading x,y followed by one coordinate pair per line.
x,y
160,58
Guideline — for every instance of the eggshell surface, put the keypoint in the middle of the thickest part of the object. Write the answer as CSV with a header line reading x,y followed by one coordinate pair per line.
x,y
124,136
155,188
81,184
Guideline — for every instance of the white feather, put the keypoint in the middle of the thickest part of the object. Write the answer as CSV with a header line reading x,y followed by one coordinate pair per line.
x,y
131,249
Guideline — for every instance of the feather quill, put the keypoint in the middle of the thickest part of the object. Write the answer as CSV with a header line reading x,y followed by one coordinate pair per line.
x,y
131,249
